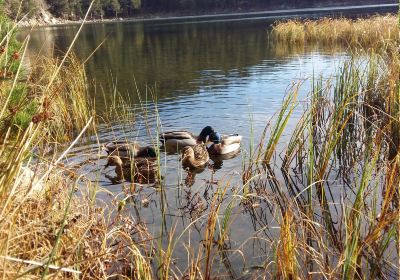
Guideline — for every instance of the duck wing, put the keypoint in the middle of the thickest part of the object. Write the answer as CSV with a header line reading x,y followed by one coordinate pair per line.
x,y
140,164
145,161
177,135
111,146
201,153
145,170
121,149
231,139
120,146
146,152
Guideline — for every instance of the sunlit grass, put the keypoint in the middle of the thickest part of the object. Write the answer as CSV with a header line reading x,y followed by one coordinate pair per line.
x,y
330,193
374,32
343,153
47,230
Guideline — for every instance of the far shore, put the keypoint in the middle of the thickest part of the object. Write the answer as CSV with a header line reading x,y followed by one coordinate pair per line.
x,y
359,10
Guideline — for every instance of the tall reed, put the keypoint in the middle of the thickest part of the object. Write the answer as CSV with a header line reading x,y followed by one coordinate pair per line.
x,y
375,32
330,193
47,230
336,183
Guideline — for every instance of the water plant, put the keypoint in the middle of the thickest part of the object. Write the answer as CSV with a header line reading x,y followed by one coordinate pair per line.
x,y
337,178
375,32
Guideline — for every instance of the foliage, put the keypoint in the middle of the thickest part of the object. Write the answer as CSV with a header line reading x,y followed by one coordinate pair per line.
x,y
109,8
17,8
76,9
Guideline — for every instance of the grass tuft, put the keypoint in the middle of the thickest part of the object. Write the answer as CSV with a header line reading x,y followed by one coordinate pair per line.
x,y
375,32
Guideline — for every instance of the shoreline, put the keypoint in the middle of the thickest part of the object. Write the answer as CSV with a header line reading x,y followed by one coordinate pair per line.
x,y
47,21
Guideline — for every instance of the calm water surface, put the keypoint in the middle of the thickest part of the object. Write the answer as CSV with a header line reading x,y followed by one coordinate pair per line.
x,y
225,74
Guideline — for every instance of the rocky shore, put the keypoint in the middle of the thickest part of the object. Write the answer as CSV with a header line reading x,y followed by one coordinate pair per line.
x,y
42,18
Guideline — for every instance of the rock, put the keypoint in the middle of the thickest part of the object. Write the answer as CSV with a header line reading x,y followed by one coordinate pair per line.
x,y
28,183
43,18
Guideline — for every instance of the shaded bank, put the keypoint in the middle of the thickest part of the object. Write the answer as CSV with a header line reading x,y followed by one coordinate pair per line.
x,y
261,14
138,8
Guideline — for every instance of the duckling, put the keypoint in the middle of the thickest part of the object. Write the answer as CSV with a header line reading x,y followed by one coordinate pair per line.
x,y
225,144
129,150
140,170
181,139
194,156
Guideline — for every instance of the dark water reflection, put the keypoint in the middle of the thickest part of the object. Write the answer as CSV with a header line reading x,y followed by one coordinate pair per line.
x,y
227,74
174,56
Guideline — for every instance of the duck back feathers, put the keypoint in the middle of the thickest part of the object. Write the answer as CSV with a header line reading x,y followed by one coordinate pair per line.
x,y
127,150
195,156
182,138
227,144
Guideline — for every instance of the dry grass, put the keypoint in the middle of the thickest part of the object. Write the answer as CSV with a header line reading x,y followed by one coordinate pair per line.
x,y
336,188
332,190
69,232
66,101
374,32
51,225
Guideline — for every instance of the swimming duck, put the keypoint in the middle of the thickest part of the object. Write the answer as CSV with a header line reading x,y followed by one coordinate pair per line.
x,y
127,150
140,170
194,156
225,144
181,138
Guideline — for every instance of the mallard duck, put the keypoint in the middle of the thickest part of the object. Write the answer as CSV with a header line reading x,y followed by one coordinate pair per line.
x,y
225,144
140,170
194,156
127,150
181,138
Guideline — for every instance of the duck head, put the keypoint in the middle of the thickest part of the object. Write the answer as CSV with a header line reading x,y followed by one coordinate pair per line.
x,y
149,152
215,137
207,131
113,161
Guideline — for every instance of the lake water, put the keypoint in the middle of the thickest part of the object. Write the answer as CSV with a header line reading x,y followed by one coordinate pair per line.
x,y
229,75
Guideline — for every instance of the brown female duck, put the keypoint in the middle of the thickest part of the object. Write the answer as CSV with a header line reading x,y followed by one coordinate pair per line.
x,y
140,170
195,156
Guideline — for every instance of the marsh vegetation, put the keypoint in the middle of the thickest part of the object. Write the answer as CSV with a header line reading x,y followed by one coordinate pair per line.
x,y
315,193
374,32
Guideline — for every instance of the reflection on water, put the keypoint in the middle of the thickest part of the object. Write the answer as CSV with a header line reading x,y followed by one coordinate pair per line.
x,y
178,59
228,75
